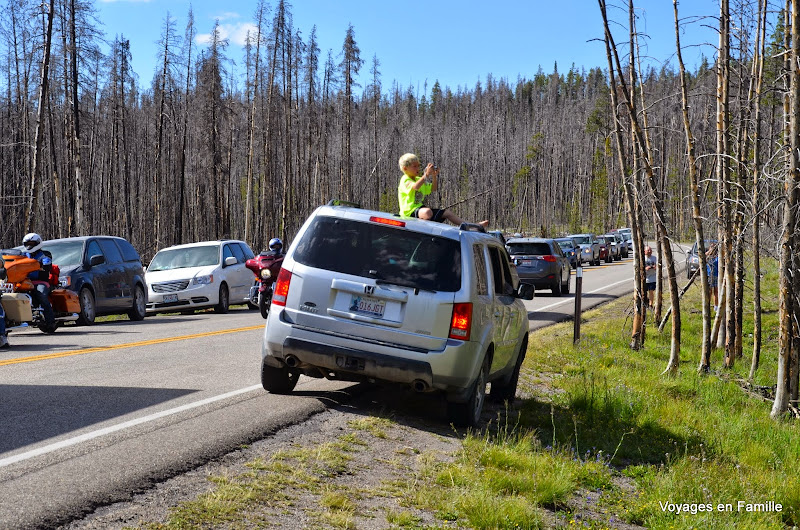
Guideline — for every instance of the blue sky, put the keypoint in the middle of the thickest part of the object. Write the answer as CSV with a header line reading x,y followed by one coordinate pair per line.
x,y
455,42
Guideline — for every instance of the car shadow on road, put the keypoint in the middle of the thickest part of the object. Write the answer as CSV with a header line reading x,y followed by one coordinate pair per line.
x,y
33,413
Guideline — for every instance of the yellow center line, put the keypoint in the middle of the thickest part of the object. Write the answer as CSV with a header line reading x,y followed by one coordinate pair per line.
x,y
121,346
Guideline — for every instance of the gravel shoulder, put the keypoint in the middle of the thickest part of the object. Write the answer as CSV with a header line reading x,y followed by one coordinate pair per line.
x,y
411,429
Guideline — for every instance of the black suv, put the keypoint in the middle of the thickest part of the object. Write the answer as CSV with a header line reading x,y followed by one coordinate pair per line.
x,y
105,271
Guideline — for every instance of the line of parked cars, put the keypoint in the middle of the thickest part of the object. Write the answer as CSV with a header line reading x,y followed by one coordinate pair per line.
x,y
108,275
546,263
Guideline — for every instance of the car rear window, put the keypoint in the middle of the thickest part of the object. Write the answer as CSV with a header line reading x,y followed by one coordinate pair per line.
x,y
530,249
390,255
565,244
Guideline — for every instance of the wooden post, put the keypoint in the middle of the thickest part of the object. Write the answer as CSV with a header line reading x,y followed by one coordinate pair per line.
x,y
576,333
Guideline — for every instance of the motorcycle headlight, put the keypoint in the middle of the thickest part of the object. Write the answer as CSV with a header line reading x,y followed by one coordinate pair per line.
x,y
204,280
265,274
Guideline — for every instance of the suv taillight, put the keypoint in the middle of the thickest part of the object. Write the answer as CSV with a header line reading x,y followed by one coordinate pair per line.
x,y
461,322
551,259
281,287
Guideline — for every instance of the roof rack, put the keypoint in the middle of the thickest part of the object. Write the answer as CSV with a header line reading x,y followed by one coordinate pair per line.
x,y
472,227
338,202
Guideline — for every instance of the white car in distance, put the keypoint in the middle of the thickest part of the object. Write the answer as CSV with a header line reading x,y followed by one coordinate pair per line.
x,y
183,278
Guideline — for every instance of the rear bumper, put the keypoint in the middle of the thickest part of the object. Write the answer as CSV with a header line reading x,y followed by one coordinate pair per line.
x,y
366,364
317,353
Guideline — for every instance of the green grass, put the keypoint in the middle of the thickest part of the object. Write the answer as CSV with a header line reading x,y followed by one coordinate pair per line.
x,y
609,428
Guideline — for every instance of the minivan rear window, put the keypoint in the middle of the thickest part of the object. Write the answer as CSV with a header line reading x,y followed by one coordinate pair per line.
x,y
530,249
389,255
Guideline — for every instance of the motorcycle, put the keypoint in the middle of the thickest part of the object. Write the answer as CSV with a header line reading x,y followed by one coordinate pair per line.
x,y
21,312
266,267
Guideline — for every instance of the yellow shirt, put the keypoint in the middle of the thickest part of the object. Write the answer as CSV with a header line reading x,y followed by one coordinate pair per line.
x,y
409,198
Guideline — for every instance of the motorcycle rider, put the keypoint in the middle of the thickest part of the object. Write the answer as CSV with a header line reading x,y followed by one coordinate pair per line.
x,y
275,248
3,336
41,278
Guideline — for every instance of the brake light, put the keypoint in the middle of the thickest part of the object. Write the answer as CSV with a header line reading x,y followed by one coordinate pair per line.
x,y
461,322
551,259
281,287
385,221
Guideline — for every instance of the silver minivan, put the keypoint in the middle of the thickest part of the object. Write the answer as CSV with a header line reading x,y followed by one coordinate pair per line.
x,y
369,296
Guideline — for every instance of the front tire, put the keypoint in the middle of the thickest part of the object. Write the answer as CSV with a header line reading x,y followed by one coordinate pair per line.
x,y
224,301
139,309
278,380
468,414
264,302
88,308
501,391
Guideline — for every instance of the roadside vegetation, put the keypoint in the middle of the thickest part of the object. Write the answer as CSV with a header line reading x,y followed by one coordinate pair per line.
x,y
600,438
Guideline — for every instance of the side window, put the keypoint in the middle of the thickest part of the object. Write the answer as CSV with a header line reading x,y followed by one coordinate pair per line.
x,y
226,253
500,272
248,254
111,251
481,280
93,249
128,252
238,252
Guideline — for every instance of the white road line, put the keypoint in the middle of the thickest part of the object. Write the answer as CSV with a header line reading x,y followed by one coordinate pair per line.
x,y
114,428
572,300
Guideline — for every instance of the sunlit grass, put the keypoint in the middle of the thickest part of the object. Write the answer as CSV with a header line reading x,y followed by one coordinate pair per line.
x,y
605,421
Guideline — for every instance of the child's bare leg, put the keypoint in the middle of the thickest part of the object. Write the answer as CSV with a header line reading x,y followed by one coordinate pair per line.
x,y
425,214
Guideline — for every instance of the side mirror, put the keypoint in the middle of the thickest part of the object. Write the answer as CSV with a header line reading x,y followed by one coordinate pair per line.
x,y
231,260
97,259
525,291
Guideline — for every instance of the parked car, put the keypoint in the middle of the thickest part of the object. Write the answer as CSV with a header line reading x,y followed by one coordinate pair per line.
x,y
571,250
368,296
198,276
605,254
693,260
627,235
105,271
616,245
499,235
590,247
541,263
622,243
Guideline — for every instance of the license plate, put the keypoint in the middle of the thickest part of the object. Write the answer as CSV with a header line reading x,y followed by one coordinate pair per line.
x,y
170,298
526,263
368,306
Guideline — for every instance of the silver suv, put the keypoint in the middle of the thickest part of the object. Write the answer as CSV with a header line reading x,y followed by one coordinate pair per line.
x,y
368,296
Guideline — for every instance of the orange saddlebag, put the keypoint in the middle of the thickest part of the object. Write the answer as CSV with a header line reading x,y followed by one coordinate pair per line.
x,y
64,301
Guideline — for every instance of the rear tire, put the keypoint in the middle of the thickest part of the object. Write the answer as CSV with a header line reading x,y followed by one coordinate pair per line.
x,y
88,308
278,380
565,286
139,309
468,414
224,300
556,287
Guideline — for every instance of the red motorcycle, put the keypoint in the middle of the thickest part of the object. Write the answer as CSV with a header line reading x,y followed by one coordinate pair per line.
x,y
266,267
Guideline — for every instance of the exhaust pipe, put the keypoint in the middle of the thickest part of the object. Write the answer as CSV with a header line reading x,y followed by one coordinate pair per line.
x,y
419,385
292,361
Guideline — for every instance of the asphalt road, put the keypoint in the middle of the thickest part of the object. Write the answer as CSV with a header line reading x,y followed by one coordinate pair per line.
x,y
91,414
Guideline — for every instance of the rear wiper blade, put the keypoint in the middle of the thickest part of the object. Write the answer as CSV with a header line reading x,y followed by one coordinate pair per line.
x,y
416,288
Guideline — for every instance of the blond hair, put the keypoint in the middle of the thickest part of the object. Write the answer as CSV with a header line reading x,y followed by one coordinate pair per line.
x,y
406,160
